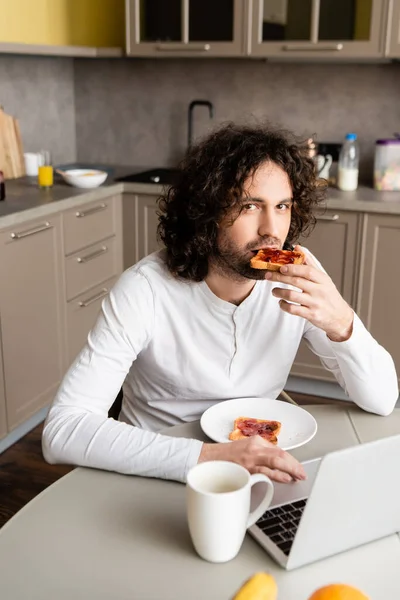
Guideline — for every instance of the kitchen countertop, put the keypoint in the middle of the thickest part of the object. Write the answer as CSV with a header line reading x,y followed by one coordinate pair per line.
x,y
25,201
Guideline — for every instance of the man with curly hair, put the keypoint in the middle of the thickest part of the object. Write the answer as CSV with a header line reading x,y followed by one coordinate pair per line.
x,y
195,324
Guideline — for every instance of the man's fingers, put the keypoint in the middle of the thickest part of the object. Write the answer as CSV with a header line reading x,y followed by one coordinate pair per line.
x,y
309,260
298,281
295,309
279,460
277,475
300,298
274,474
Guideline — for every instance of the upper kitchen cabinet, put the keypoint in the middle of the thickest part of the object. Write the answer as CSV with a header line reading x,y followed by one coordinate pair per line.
x,y
392,49
333,29
185,27
63,27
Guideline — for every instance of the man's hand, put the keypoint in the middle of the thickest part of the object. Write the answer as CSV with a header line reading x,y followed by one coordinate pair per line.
x,y
257,456
320,302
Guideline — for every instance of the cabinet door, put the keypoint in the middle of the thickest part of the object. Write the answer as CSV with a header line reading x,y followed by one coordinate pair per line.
x,y
140,222
3,419
81,316
393,29
31,316
335,243
185,27
147,226
322,28
379,296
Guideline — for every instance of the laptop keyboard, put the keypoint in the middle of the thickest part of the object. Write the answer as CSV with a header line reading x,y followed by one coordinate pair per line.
x,y
280,524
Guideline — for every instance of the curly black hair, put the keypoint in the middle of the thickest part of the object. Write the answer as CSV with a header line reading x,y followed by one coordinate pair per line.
x,y
210,185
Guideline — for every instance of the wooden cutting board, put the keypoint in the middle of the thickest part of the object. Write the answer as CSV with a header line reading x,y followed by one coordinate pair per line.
x,y
11,149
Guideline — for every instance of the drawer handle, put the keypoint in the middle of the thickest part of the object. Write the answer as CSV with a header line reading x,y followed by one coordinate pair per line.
x,y
23,234
84,259
183,47
90,211
335,217
316,48
92,299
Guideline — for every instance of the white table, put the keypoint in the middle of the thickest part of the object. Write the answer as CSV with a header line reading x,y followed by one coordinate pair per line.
x,y
95,535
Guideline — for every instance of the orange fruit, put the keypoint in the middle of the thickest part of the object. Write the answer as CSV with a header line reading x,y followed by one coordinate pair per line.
x,y
338,591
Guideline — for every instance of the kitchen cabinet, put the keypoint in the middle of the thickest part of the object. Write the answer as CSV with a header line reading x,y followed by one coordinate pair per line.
x,y
54,273
82,313
335,243
316,28
3,418
379,296
31,314
139,227
185,28
392,49
92,248
63,27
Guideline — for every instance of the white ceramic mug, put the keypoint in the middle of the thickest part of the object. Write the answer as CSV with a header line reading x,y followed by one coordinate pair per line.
x,y
218,495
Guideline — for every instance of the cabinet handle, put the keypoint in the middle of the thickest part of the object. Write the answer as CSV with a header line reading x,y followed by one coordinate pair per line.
x,y
335,217
316,48
90,211
23,234
92,299
178,48
84,259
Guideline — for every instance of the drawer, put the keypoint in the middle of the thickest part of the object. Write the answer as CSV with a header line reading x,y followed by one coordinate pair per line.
x,y
81,316
88,224
91,266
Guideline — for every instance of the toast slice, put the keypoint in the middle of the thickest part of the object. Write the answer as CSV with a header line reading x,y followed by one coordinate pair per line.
x,y
245,427
272,259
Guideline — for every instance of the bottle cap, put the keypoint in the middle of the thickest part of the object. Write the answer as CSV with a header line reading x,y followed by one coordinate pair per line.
x,y
351,137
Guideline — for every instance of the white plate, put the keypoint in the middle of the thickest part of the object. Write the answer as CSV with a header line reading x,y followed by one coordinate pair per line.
x,y
298,425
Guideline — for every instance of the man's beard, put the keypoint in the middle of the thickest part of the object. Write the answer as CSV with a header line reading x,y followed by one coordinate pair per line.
x,y
233,262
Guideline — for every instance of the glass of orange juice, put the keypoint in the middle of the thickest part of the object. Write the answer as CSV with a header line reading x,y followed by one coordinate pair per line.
x,y
45,170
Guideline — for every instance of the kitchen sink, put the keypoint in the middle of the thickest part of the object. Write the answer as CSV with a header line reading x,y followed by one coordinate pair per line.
x,y
161,176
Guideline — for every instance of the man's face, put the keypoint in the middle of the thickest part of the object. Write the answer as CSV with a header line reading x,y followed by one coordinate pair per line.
x,y
264,221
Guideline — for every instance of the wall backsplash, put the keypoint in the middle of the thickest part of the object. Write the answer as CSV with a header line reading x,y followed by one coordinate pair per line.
x,y
40,92
135,111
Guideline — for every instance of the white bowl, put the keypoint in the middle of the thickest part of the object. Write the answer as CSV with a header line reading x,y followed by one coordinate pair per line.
x,y
85,178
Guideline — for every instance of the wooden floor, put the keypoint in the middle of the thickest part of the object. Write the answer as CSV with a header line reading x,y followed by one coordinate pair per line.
x,y
24,473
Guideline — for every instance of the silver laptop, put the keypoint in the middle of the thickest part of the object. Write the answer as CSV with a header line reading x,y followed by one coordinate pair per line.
x,y
350,497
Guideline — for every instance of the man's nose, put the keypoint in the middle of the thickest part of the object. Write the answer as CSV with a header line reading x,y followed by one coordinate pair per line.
x,y
268,225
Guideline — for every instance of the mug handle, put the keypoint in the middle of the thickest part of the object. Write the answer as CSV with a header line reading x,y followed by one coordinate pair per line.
x,y
265,502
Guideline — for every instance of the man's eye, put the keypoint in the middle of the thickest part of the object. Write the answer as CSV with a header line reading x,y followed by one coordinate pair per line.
x,y
249,206
283,207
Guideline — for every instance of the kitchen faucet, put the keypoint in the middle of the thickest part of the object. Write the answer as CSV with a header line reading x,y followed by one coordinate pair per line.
x,y
190,115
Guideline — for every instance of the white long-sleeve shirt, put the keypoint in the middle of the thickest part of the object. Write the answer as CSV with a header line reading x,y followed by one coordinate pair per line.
x,y
177,349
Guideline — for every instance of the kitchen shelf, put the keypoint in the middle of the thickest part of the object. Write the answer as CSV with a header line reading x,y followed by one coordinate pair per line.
x,y
74,51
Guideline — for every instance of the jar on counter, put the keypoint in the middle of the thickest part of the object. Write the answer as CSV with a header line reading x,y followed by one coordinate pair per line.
x,y
387,165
